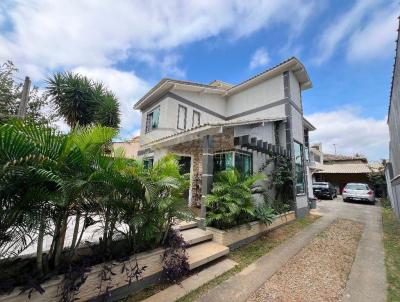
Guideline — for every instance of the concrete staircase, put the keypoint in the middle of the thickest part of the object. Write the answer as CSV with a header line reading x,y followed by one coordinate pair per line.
x,y
201,247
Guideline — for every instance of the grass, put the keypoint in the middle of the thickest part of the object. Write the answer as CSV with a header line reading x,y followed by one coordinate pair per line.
x,y
244,256
391,241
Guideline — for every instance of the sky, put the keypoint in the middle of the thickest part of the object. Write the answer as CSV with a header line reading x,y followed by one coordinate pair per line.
x,y
346,46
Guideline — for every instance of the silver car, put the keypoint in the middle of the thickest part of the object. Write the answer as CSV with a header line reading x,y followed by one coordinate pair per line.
x,y
358,192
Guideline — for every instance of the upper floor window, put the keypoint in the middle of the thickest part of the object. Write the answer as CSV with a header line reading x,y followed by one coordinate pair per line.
x,y
196,119
152,119
181,117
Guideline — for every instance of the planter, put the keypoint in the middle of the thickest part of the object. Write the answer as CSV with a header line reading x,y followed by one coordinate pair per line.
x,y
90,289
243,234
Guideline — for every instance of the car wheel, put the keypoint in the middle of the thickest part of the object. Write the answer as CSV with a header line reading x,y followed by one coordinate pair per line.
x,y
344,200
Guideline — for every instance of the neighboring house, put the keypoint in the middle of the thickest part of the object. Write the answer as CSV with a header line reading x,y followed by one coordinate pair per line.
x,y
393,166
341,169
219,125
130,148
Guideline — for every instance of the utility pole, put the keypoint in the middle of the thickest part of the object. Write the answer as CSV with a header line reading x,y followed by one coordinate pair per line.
x,y
24,98
334,145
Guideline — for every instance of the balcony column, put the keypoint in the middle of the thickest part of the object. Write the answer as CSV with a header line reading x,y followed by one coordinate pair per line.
x,y
207,171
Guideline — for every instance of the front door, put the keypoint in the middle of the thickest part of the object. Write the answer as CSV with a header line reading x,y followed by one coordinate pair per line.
x,y
184,168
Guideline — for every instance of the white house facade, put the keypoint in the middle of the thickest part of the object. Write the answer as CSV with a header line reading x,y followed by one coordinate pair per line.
x,y
218,126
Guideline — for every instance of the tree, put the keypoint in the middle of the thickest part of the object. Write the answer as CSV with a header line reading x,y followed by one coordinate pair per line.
x,y
38,107
80,101
45,178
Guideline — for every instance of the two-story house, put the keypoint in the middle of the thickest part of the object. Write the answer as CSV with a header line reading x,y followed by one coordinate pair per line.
x,y
218,126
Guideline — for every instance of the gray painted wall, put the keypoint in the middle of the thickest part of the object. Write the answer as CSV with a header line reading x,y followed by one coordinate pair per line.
x,y
394,133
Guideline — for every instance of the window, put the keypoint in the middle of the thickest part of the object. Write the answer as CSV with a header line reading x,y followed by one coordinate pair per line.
x,y
181,117
148,162
243,163
299,168
223,161
152,119
196,119
233,160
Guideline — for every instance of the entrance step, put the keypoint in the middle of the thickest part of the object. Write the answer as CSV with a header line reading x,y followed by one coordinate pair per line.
x,y
205,252
196,235
185,225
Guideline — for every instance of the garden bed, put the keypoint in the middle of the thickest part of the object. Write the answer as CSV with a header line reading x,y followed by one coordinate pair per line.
x,y
246,233
94,287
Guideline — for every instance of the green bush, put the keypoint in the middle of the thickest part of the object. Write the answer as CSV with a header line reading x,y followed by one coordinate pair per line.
x,y
231,200
47,177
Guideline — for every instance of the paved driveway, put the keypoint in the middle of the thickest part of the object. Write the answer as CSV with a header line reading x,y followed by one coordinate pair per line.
x,y
367,280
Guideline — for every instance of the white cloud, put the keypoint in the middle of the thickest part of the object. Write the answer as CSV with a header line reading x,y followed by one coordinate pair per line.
x,y
376,37
53,34
127,87
260,58
351,132
169,67
93,37
341,28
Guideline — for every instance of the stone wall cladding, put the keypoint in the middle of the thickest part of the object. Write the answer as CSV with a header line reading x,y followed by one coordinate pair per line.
x,y
221,142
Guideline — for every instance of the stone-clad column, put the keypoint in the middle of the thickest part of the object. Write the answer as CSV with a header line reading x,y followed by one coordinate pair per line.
x,y
208,169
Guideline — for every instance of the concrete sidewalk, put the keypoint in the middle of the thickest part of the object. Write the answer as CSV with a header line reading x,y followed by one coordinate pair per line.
x,y
367,280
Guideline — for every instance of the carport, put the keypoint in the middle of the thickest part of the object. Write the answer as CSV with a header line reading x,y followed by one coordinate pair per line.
x,y
341,174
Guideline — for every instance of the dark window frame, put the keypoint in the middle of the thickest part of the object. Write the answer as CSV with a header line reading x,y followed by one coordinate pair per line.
x,y
148,162
149,119
234,153
184,121
199,117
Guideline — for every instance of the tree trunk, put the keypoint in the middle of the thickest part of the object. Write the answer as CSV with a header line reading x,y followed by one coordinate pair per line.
x,y
80,236
76,230
106,225
60,243
39,250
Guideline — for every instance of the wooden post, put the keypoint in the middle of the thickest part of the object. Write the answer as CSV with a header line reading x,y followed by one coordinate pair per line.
x,y
24,98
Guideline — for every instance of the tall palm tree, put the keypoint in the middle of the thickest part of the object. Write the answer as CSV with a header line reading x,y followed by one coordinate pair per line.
x,y
81,101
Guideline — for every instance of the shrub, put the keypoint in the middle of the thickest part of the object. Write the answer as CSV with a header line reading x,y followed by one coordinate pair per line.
x,y
175,259
231,200
265,214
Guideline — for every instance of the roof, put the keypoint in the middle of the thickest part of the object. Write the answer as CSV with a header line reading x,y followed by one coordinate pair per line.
x,y
343,168
209,126
221,84
308,125
226,89
339,157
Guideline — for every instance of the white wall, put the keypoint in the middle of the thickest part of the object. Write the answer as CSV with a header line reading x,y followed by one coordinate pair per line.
x,y
297,122
214,102
163,126
262,94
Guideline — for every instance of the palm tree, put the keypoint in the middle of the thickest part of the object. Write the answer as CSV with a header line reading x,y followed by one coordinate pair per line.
x,y
231,202
80,101
45,178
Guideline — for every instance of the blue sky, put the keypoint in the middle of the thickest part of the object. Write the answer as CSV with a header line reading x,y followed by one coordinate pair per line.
x,y
346,46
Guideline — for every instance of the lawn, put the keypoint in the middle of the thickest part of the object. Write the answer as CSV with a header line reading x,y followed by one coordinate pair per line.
x,y
244,256
391,239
